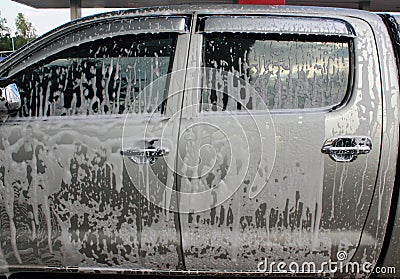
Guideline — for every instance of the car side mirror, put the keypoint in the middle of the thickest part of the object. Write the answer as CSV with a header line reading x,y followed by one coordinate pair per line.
x,y
10,99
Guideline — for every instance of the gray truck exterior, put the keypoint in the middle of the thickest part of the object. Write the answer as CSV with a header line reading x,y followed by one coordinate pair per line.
x,y
204,139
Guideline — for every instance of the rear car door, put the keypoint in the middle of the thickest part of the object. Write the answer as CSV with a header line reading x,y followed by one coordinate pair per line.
x,y
75,160
280,161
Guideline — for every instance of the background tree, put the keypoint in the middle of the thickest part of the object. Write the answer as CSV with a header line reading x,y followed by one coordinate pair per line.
x,y
25,31
4,30
5,37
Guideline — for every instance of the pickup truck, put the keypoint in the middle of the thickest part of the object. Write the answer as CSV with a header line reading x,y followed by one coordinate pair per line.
x,y
204,140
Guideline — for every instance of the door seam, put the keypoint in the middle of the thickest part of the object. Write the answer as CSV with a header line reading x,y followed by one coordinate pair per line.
x,y
177,214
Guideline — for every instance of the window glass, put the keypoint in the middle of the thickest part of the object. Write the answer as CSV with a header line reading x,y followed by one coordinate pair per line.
x,y
102,77
287,72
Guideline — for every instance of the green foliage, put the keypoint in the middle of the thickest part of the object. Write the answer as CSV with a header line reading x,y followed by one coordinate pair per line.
x,y
25,29
5,43
25,33
4,30
20,41
5,39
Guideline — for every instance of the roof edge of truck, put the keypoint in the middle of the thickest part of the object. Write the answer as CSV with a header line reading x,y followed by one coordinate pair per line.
x,y
172,10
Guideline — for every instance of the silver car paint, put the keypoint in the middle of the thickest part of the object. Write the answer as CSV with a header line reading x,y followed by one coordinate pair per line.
x,y
392,257
230,237
81,208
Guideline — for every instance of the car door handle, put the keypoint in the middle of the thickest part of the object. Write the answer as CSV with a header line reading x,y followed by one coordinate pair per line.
x,y
347,148
145,156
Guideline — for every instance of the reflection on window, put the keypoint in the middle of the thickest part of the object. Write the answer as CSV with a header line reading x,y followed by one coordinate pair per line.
x,y
101,77
285,73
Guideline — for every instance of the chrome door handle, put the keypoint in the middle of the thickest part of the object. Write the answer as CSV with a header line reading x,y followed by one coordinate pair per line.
x,y
347,148
146,155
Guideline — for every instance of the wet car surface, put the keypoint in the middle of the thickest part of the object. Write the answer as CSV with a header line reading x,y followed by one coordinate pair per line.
x,y
200,139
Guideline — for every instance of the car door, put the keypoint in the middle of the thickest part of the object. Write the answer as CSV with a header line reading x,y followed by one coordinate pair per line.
x,y
77,155
279,142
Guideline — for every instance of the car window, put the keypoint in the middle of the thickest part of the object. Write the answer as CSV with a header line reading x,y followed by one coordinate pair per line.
x,y
288,72
105,76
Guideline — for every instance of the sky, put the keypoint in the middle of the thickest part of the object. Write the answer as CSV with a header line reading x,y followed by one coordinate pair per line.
x,y
42,19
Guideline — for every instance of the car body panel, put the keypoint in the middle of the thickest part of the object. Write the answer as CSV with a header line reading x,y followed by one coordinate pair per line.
x,y
392,256
310,207
378,215
69,198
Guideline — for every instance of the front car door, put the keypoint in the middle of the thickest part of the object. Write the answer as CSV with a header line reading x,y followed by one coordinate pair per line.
x,y
75,158
271,93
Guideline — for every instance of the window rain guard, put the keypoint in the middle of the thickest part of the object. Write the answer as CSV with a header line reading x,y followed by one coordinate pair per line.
x,y
278,24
